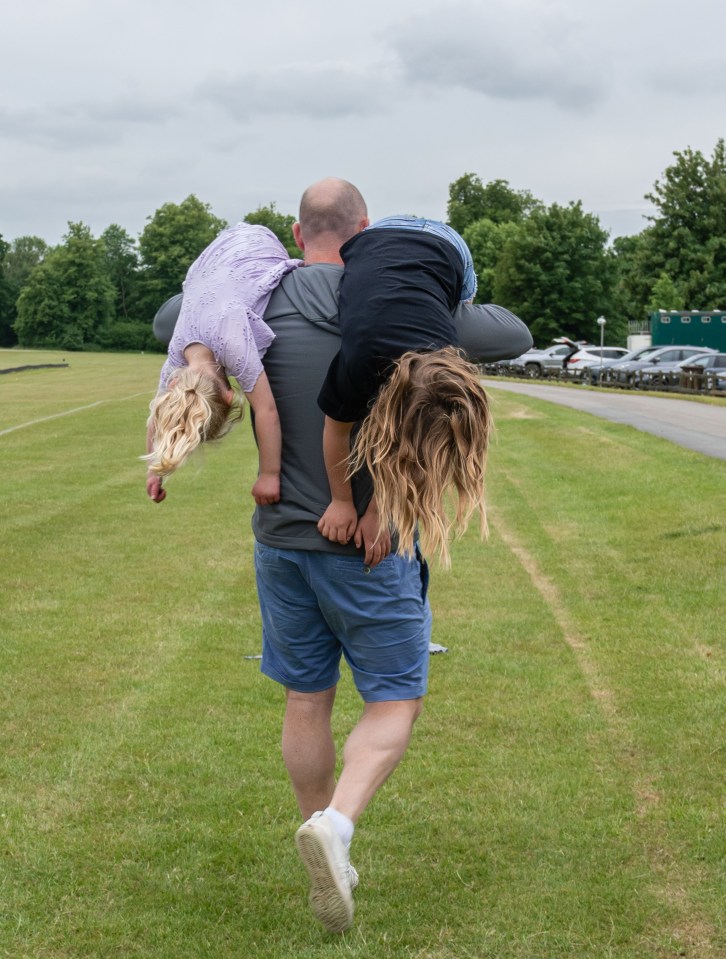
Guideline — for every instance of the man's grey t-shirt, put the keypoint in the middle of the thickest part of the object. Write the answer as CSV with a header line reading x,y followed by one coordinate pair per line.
x,y
303,314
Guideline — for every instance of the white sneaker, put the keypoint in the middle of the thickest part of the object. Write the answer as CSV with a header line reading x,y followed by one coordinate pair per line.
x,y
332,878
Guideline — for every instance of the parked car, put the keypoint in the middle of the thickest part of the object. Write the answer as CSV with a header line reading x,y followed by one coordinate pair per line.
x,y
593,356
535,362
623,371
707,371
593,372
665,373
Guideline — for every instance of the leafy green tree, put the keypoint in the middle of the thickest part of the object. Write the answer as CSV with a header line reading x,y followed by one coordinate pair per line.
x,y
632,275
487,240
169,243
466,202
687,237
557,274
280,224
68,297
126,330
122,264
470,200
7,300
44,315
21,258
25,253
665,295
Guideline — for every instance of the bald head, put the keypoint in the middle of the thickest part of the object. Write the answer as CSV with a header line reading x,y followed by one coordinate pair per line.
x,y
332,208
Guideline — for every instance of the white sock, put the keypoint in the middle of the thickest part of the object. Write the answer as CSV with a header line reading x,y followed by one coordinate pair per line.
x,y
343,826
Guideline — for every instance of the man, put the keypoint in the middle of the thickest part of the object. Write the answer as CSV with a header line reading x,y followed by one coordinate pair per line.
x,y
321,600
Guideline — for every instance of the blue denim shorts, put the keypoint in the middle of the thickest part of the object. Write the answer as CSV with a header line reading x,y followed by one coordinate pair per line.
x,y
318,606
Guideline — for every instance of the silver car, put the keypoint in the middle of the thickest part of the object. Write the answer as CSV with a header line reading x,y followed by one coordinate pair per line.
x,y
665,373
625,370
536,362
704,372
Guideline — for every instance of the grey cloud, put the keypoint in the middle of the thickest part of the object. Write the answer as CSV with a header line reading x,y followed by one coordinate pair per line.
x,y
57,127
81,125
131,111
693,75
505,50
323,91
49,199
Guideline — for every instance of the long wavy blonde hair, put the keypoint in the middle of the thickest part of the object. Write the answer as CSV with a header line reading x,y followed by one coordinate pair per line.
x,y
425,441
192,411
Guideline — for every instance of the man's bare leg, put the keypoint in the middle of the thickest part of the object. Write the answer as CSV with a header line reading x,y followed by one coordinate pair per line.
x,y
373,750
308,748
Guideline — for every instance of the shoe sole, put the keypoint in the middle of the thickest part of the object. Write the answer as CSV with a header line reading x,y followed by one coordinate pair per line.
x,y
331,903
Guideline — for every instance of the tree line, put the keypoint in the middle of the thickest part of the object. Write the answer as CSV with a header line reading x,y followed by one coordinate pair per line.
x,y
102,293
551,265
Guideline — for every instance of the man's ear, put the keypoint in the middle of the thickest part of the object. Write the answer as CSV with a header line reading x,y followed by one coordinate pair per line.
x,y
297,233
364,223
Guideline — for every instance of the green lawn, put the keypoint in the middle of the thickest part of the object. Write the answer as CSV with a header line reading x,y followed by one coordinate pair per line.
x,y
564,792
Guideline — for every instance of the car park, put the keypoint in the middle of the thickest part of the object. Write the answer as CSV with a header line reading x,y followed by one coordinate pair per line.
x,y
624,371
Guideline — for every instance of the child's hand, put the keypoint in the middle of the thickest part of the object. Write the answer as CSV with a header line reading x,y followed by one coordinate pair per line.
x,y
377,541
338,522
154,489
266,489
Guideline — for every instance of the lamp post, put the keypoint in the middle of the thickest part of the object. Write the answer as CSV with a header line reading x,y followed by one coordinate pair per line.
x,y
601,321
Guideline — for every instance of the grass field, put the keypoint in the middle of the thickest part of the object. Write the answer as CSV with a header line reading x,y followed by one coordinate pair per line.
x,y
564,792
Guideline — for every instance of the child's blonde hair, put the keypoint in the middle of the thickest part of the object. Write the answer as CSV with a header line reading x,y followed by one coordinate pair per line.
x,y
191,411
427,432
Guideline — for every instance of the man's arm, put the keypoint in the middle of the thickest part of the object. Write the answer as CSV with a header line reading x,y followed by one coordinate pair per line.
x,y
489,332
165,319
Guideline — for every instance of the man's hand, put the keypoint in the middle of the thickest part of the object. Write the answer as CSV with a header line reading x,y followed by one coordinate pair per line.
x,y
266,489
338,522
154,489
368,533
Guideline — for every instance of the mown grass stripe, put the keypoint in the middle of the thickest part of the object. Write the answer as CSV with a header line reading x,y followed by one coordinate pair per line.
x,y
78,409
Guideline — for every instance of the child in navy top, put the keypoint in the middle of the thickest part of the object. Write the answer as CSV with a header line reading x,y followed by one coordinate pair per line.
x,y
403,279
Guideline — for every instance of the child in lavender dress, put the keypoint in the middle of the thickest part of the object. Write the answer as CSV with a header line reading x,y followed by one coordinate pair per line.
x,y
220,333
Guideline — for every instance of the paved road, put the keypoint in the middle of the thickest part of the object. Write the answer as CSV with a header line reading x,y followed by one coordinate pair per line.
x,y
697,426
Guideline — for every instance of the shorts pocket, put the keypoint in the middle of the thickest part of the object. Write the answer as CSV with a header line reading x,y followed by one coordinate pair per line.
x,y
353,569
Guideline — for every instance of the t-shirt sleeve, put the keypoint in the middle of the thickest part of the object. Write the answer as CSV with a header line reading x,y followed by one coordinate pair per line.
x,y
489,332
238,354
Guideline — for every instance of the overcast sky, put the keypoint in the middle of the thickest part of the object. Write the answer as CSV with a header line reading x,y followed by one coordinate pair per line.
x,y
110,108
